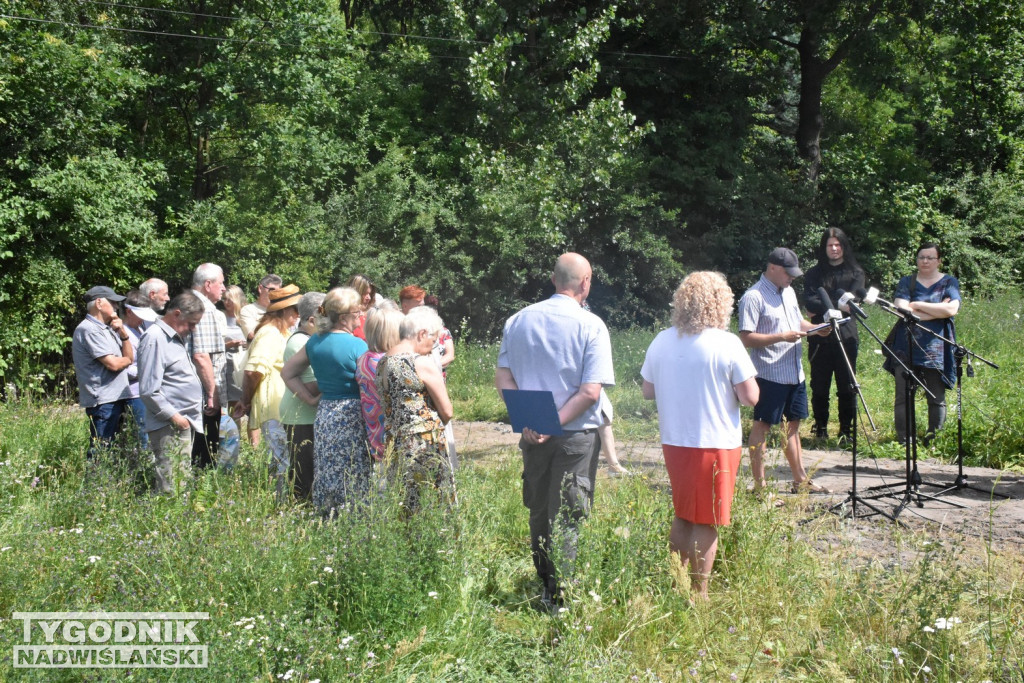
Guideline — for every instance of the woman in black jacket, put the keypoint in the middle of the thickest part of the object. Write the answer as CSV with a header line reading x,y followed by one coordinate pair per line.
x,y
837,269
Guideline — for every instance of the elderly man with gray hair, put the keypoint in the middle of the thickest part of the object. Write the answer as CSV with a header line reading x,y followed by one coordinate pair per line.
x,y
170,389
155,291
208,353
102,352
557,346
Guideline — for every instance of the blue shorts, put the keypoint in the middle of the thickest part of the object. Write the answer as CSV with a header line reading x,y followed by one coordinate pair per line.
x,y
780,399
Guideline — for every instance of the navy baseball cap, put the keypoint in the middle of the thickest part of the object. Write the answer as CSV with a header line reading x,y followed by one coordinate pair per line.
x,y
787,259
102,292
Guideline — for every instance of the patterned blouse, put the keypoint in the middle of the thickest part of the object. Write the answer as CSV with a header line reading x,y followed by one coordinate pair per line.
x,y
408,408
369,397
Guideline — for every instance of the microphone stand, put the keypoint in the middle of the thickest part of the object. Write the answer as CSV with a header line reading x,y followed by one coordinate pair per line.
x,y
852,497
912,488
959,353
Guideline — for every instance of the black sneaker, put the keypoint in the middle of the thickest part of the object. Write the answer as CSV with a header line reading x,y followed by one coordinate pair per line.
x,y
821,433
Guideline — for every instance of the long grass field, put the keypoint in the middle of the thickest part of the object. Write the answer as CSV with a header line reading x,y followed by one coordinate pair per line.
x,y
453,595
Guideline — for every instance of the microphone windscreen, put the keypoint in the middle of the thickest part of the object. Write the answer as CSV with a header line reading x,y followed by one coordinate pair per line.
x,y
825,298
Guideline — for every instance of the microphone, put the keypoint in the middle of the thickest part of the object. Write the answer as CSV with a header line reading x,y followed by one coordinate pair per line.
x,y
830,314
871,297
846,300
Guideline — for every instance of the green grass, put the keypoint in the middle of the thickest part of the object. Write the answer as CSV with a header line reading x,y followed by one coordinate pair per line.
x,y
993,405
452,596
448,597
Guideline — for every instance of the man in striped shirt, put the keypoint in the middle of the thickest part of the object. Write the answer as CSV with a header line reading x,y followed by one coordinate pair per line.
x,y
772,327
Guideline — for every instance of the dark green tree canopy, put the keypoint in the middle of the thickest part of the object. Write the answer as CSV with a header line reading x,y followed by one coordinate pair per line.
x,y
463,145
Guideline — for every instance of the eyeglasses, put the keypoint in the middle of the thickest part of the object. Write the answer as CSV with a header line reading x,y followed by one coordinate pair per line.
x,y
927,258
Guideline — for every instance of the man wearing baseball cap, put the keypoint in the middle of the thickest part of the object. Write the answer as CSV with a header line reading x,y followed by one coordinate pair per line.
x,y
102,351
772,326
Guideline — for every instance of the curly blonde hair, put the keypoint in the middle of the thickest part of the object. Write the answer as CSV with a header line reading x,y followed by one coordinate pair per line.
x,y
703,300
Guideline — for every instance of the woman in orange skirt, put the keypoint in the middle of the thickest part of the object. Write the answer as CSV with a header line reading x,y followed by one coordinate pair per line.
x,y
700,374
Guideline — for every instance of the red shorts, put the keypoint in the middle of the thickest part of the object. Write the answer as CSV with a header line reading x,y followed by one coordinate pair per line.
x,y
703,481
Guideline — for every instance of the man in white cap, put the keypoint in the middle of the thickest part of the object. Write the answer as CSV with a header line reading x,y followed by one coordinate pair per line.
x,y
138,315
102,351
772,327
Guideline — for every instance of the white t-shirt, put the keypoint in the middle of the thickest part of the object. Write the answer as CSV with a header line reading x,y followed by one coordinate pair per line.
x,y
693,378
249,318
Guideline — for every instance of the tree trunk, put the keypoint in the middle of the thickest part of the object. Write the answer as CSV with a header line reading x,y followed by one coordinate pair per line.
x,y
813,71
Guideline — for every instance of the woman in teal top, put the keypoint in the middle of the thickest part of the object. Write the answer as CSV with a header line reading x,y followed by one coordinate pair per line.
x,y
341,461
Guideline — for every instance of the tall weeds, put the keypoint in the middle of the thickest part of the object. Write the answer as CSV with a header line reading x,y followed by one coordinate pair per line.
x,y
453,596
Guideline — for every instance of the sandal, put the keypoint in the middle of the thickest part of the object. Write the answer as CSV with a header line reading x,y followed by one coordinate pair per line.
x,y
808,486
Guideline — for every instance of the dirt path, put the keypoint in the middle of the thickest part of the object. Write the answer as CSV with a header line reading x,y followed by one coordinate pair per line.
x,y
964,515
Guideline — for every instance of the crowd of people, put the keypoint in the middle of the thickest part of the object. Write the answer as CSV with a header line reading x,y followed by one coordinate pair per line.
x,y
337,382
330,383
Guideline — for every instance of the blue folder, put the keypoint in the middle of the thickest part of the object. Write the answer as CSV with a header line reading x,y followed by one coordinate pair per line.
x,y
533,409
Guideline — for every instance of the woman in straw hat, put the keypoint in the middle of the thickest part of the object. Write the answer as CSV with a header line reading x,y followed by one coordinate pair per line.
x,y
262,386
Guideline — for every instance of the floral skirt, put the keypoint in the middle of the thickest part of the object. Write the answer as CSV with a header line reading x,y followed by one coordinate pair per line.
x,y
341,462
419,462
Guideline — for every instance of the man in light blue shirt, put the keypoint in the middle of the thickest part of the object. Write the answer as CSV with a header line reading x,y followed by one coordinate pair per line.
x,y
170,388
557,346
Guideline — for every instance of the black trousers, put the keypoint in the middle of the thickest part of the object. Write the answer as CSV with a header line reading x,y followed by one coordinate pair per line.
x,y
827,362
205,445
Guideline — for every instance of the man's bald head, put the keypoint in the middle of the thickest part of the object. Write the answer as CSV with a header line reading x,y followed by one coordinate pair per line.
x,y
572,275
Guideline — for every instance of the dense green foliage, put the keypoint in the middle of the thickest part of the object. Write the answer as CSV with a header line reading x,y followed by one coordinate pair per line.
x,y
453,597
463,145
